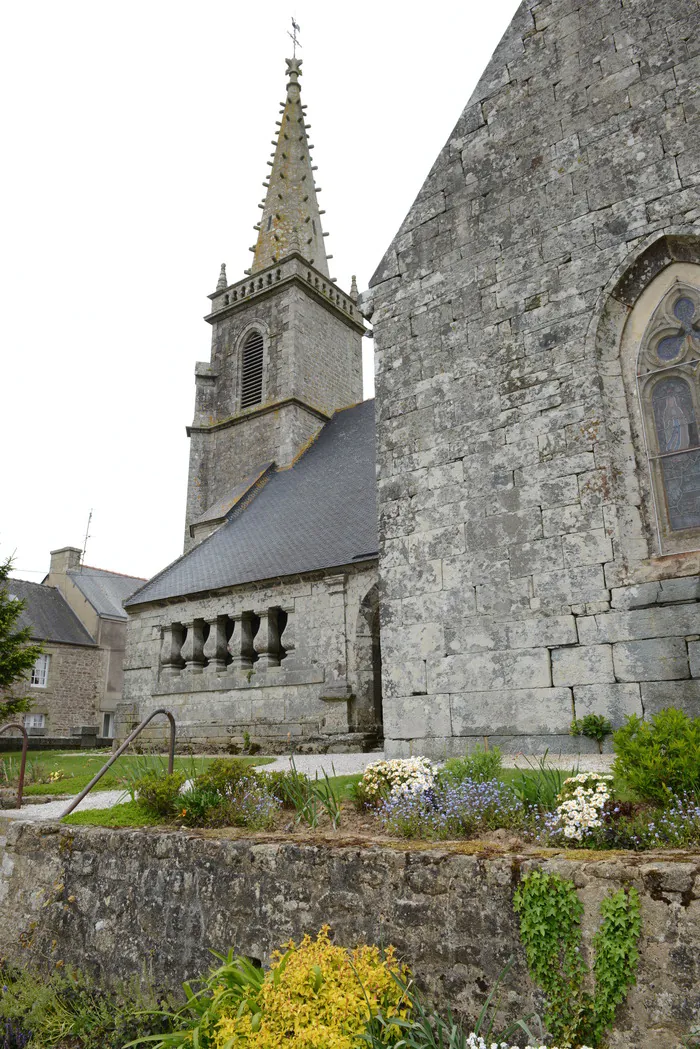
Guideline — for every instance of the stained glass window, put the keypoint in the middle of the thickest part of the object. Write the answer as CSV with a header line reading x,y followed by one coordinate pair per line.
x,y
677,431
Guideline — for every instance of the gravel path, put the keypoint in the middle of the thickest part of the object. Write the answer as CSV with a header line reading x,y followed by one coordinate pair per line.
x,y
310,764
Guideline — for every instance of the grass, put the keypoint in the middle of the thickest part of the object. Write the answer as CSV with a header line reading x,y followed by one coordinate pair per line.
x,y
78,769
130,814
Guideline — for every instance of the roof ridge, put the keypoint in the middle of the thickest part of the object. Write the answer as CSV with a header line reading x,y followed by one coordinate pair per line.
x,y
108,571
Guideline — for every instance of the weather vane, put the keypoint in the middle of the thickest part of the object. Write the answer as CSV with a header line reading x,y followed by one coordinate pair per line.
x,y
295,29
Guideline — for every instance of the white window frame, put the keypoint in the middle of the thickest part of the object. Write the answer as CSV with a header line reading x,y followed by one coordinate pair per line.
x,y
108,724
35,720
40,672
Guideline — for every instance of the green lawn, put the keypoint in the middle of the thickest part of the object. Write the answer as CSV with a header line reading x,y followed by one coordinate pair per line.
x,y
78,769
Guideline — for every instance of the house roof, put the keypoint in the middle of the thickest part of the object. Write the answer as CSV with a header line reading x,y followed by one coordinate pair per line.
x,y
106,591
319,513
48,614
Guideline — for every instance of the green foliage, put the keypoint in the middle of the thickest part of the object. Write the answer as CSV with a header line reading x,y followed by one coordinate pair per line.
x,y
224,776
131,814
550,928
67,1008
660,757
17,654
540,785
228,987
594,726
480,766
159,793
313,798
286,785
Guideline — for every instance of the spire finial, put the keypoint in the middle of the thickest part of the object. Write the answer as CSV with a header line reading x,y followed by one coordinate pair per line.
x,y
354,293
296,28
291,219
222,282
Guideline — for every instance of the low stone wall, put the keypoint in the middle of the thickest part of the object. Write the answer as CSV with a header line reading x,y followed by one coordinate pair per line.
x,y
114,901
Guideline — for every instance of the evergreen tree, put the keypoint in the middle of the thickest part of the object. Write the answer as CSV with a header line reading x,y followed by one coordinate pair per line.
x,y
17,653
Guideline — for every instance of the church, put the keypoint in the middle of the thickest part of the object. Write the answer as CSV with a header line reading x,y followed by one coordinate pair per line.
x,y
530,550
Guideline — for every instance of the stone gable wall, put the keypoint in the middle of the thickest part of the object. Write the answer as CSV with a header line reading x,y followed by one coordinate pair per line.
x,y
521,576
321,696
114,902
73,689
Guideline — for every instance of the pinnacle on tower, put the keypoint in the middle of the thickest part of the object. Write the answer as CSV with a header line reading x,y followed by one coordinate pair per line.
x,y
291,220
222,282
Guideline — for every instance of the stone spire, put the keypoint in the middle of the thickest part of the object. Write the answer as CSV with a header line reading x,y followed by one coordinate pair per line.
x,y
291,220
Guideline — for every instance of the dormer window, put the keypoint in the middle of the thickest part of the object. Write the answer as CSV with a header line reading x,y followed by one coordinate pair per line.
x,y
252,370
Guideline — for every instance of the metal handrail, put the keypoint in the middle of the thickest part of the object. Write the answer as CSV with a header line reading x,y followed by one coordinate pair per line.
x,y
23,761
118,753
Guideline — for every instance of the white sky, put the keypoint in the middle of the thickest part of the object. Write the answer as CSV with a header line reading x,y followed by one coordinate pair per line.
x,y
135,138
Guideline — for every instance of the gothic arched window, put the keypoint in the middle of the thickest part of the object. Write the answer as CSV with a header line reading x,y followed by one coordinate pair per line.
x,y
252,370
668,380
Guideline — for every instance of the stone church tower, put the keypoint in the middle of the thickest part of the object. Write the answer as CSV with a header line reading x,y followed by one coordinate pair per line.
x,y
286,343
268,624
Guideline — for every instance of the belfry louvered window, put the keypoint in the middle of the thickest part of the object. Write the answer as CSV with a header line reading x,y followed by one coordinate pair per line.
x,y
252,370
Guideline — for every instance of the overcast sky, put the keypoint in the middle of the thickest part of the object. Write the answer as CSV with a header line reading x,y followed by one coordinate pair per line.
x,y
135,138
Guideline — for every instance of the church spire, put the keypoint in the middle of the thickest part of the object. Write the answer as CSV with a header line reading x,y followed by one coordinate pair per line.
x,y
291,220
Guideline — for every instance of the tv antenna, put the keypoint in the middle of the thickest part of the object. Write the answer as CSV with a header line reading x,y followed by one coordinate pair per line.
x,y
87,536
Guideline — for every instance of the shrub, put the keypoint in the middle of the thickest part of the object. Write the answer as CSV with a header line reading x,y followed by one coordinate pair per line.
x,y
249,805
224,776
479,766
159,793
661,757
315,996
675,826
452,812
68,1008
285,785
580,810
594,726
382,779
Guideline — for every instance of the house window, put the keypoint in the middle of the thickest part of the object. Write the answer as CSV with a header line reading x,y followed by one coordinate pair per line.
x,y
34,721
108,725
252,370
40,672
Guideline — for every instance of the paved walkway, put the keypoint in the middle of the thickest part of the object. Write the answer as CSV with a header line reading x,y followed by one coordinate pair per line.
x,y
310,764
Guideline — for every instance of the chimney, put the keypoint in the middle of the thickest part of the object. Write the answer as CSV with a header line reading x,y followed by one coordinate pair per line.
x,y
65,559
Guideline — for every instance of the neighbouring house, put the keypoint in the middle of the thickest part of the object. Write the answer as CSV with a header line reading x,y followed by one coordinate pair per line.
x,y
77,614
64,682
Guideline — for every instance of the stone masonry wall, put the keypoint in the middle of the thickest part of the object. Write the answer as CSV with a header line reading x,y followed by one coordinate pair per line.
x,y
72,692
114,902
521,574
322,691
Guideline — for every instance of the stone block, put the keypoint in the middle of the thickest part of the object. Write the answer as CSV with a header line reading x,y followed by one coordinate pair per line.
x,y
639,596
685,589
582,665
485,671
512,712
542,555
659,694
542,631
587,548
655,659
404,677
666,621
413,716
694,658
615,702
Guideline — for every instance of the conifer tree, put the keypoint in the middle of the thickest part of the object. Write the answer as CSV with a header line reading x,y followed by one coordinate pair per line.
x,y
17,653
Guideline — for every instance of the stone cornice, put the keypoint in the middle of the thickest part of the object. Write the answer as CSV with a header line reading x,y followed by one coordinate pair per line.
x,y
259,409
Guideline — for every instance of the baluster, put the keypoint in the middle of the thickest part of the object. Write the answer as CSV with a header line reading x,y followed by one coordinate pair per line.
x,y
192,649
171,660
241,644
215,648
288,635
267,639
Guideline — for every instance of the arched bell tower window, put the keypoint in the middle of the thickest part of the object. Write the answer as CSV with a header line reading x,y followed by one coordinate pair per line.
x,y
668,382
252,370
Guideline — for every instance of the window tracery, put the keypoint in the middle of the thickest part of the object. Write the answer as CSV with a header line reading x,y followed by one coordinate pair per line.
x,y
668,382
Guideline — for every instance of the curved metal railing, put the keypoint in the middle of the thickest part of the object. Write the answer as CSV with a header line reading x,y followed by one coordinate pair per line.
x,y
23,760
118,753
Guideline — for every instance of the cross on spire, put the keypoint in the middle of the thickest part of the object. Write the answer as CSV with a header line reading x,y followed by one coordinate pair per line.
x,y
295,40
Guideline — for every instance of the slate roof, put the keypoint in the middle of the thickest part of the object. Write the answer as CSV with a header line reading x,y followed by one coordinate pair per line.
x,y
319,513
48,613
106,591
